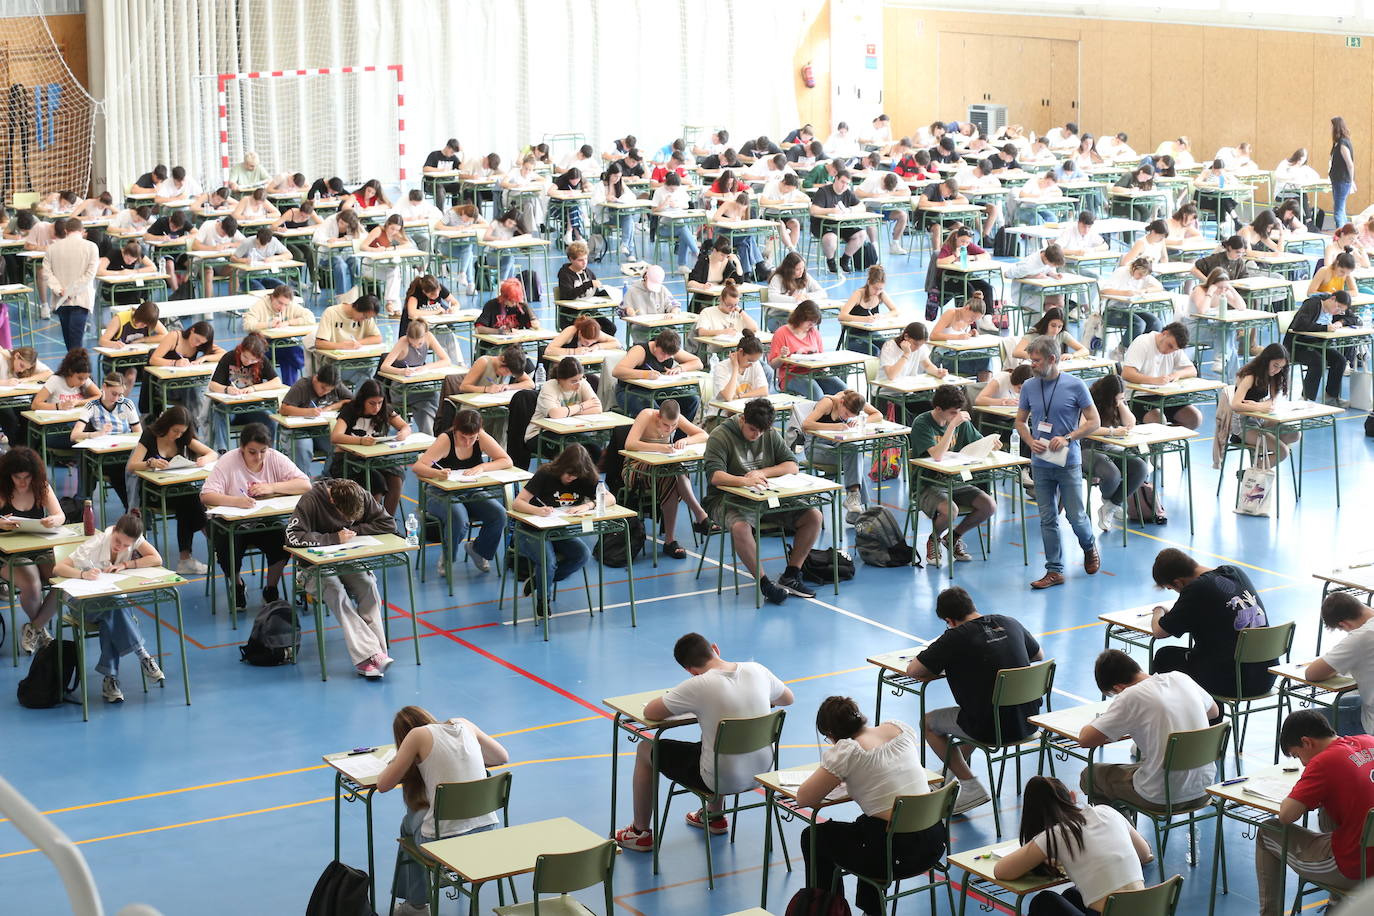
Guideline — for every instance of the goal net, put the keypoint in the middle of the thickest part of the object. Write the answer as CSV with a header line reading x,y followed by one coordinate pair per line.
x,y
46,116
333,121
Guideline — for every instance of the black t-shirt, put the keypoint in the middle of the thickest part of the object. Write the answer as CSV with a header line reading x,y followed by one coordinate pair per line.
x,y
503,317
1338,171
970,655
937,193
355,424
1236,269
632,171
826,197
149,442
752,148
1213,609
163,226
564,182
797,152
433,159
229,373
950,158
548,489
146,180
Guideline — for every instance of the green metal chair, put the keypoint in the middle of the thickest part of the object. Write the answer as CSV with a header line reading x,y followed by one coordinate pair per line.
x,y
1160,900
1014,687
562,873
1185,751
1308,886
456,801
1256,644
733,736
912,814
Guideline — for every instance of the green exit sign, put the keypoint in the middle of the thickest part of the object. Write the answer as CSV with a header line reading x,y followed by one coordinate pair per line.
x,y
1354,41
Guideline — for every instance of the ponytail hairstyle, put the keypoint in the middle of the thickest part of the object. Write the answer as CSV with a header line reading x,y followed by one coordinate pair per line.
x,y
585,327
130,524
749,343
729,290
417,330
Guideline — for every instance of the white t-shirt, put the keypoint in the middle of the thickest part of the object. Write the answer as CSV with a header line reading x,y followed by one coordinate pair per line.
x,y
1071,239
210,234
876,777
1144,357
1353,656
95,553
873,184
677,198
455,757
1150,712
891,354
1106,862
715,318
751,379
1122,278
62,393
747,691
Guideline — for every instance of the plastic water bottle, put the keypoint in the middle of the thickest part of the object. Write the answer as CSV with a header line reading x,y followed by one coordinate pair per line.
x,y
963,256
1221,180
540,376
412,530
1015,446
601,493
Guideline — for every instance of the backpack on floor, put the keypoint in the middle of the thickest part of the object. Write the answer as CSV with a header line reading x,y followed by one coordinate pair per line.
x,y
1369,426
819,567
534,288
45,686
879,539
341,891
865,257
611,548
1144,505
273,639
815,901
1004,244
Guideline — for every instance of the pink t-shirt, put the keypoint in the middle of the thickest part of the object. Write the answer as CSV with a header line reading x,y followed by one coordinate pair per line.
x,y
231,477
786,337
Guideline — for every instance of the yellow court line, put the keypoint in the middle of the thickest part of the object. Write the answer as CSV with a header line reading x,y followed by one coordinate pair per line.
x,y
535,728
815,677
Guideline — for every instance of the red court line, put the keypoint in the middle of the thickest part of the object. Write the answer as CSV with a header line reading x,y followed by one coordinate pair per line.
x,y
505,664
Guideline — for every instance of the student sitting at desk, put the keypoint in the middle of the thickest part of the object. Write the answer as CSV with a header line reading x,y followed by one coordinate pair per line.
x,y
1264,233
310,396
263,248
218,235
343,265
111,414
177,187
842,411
279,309
739,376
877,764
787,192
1335,275
888,186
866,303
571,182
508,312
800,336
119,261
1259,385
365,420
1214,604
1004,390
330,189
1352,656
1085,155
1160,358
172,436
1042,187
1126,283
465,216
1096,846
147,182
285,183
961,323
349,325
726,316
584,335
19,366
390,236
576,281
244,370
1149,708
220,201
469,449
255,206
508,228
664,429
1104,462
566,485
1183,224
661,355
1046,263
567,393
970,652
1345,240
334,512
70,386
960,248
1322,311
649,296
249,173
117,548
792,282
745,452
716,264
299,215
1338,781
371,195
169,228
582,157
908,355
613,189
750,256
673,196
25,493
944,429
1051,324
498,372
525,178
836,199
415,351
717,689
430,753
240,478
1212,177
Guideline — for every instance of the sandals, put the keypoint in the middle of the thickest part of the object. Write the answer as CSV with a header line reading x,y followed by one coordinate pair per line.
x,y
675,550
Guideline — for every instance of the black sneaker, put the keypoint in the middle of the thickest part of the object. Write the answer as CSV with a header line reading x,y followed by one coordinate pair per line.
x,y
847,265
241,594
773,593
794,584
831,266
270,594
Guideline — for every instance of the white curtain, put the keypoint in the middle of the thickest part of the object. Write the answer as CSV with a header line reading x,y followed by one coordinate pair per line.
x,y
496,74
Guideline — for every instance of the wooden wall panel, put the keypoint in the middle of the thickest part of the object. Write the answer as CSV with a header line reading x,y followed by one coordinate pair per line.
x,y
1286,87
1127,99
1177,96
1230,91
1064,89
813,105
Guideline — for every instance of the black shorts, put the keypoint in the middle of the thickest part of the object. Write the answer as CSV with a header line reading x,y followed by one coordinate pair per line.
x,y
1141,406
680,761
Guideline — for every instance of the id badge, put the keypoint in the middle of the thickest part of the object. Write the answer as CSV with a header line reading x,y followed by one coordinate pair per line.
x,y
1046,427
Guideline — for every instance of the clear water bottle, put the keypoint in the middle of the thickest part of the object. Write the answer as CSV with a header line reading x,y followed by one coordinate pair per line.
x,y
601,494
1015,446
412,530
540,376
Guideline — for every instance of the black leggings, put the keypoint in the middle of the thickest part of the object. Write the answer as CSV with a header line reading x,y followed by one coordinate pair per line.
x,y
271,543
860,847
190,515
1312,367
1048,903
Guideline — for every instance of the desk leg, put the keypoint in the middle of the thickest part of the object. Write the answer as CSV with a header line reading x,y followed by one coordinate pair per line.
x,y
82,675
338,791
544,583
181,640
615,768
318,604
366,797
837,540
657,815
1336,459
878,707
769,810
232,588
1125,458
629,578
953,516
1188,483
1021,513
414,614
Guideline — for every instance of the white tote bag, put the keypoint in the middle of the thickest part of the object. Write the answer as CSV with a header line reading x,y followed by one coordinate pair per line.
x,y
1362,391
1256,496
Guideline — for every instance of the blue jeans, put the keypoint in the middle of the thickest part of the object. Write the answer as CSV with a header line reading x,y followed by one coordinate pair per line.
x,y
626,223
963,365
747,247
1108,473
813,388
412,881
563,557
345,272
687,248
290,362
1141,322
118,637
1052,484
489,512
73,320
1345,717
1340,190
220,434
822,451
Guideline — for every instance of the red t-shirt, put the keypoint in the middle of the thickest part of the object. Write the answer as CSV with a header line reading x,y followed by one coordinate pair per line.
x,y
1341,780
950,248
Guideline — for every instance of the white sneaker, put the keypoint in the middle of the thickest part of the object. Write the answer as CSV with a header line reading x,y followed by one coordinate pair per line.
x,y
110,690
471,289
896,249
442,569
481,562
1026,479
1118,353
1215,366
31,638
190,566
625,250
1106,518
971,795
151,668
402,908
854,502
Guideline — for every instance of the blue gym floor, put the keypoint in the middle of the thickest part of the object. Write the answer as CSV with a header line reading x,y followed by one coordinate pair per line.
x,y
225,807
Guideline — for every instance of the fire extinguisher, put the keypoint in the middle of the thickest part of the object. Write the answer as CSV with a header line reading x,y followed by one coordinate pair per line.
x,y
808,76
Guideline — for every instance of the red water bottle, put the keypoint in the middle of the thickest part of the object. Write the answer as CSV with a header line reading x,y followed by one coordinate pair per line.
x,y
88,518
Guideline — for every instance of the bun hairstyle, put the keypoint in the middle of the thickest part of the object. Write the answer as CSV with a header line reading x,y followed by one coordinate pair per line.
x,y
839,718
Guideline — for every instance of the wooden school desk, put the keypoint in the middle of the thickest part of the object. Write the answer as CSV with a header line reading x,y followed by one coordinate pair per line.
x,y
950,473
1153,443
629,717
19,548
269,514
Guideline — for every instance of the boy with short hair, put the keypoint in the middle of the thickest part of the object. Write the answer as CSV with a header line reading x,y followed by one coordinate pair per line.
x,y
1352,656
311,396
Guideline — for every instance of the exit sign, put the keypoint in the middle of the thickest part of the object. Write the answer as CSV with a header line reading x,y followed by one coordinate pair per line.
x,y
1354,41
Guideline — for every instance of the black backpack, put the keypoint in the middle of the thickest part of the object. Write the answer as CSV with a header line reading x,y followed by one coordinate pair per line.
x,y
274,638
865,257
534,287
819,567
611,549
1369,426
879,539
1004,244
44,686
341,891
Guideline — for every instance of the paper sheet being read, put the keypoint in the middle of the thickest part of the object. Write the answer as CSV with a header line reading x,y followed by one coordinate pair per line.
x,y
79,588
361,767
